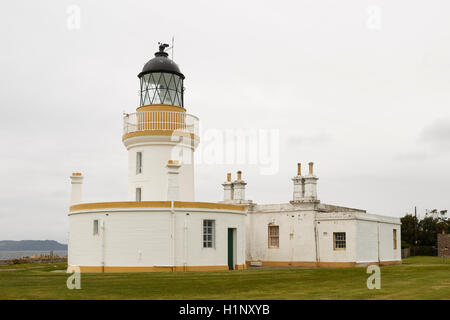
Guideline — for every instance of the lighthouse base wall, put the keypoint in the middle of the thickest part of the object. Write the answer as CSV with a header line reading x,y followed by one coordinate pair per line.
x,y
155,239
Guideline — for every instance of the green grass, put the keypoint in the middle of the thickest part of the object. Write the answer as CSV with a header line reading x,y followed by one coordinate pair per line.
x,y
416,278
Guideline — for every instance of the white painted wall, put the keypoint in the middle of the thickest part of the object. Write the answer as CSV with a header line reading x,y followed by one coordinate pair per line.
x,y
135,237
192,253
298,235
156,152
329,223
375,238
367,241
387,251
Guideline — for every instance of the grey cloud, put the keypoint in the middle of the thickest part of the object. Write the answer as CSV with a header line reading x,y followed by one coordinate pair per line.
x,y
411,156
318,139
437,135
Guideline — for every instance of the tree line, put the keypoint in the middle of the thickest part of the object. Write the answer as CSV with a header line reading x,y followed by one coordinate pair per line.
x,y
424,230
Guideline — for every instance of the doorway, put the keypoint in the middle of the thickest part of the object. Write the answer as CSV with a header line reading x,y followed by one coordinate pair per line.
x,y
231,248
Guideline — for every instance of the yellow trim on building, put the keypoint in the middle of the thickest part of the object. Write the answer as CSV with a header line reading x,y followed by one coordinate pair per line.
x,y
156,204
208,205
160,107
160,133
321,264
112,269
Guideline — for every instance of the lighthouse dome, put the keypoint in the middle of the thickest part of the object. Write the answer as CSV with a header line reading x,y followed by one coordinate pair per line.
x,y
161,63
161,81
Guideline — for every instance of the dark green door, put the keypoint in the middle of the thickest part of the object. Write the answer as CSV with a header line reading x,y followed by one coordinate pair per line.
x,y
230,249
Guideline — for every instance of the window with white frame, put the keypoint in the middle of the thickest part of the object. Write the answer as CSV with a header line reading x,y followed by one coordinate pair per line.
x,y
208,233
274,236
95,227
339,242
138,194
138,162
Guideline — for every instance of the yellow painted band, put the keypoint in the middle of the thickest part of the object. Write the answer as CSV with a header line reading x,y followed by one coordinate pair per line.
x,y
160,133
110,269
312,264
156,204
160,107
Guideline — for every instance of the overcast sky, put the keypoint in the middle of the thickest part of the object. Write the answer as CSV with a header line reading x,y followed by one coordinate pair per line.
x,y
359,87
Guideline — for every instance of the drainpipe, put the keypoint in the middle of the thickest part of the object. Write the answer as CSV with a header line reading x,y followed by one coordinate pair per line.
x,y
172,217
291,237
185,247
378,241
316,239
102,227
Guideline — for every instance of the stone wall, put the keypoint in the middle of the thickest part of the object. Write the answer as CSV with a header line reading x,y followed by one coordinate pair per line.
x,y
443,245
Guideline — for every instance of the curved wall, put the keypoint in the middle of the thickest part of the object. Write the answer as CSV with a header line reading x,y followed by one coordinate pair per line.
x,y
153,238
156,152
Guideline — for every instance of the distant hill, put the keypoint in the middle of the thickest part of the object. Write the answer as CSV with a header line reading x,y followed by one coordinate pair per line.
x,y
26,245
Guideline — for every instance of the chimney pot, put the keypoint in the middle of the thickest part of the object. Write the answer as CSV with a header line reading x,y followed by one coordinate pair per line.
x,y
76,193
239,175
229,177
299,169
311,164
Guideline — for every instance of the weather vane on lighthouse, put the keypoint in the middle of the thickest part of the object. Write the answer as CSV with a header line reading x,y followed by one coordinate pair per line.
x,y
162,46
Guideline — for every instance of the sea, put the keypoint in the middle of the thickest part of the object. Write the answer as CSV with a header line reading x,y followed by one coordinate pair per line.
x,y
6,255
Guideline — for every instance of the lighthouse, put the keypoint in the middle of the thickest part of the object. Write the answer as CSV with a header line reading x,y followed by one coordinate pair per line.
x,y
162,228
161,136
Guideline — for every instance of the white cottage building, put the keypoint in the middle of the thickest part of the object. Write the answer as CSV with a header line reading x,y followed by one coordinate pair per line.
x,y
307,233
162,228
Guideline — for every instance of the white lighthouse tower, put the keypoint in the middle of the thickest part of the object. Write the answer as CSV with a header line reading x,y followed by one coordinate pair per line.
x,y
161,227
161,137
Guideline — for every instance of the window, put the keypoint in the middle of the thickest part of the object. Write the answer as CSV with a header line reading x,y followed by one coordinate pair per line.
x,y
161,88
208,233
138,162
274,236
395,238
95,227
138,194
339,240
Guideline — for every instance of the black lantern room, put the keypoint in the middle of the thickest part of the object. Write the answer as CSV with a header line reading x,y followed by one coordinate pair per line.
x,y
161,81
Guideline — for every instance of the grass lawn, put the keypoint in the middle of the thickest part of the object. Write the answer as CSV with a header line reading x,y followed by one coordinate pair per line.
x,y
416,278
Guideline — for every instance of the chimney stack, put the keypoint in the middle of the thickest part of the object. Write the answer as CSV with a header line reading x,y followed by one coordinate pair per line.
x,y
228,189
76,193
173,180
299,185
311,185
239,188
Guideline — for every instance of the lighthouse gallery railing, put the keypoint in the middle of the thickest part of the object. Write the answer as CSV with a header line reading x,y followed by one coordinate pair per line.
x,y
160,121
